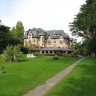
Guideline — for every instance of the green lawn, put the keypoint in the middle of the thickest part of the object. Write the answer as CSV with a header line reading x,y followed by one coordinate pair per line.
x,y
80,82
24,76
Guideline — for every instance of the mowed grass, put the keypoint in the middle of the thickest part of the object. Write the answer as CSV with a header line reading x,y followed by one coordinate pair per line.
x,y
24,76
80,82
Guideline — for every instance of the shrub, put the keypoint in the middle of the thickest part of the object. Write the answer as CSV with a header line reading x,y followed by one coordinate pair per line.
x,y
59,53
40,54
75,55
55,57
49,54
25,50
69,55
11,53
65,55
3,69
36,53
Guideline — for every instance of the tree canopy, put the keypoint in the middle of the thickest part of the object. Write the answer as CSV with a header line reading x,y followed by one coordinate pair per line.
x,y
4,36
17,33
11,37
19,29
84,24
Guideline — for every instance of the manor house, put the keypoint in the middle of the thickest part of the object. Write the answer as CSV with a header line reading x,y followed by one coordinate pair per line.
x,y
48,41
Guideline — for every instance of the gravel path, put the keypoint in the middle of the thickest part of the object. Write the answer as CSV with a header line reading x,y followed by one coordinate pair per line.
x,y
42,89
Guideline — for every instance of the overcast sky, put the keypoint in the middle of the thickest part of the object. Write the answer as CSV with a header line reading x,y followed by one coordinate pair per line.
x,y
46,14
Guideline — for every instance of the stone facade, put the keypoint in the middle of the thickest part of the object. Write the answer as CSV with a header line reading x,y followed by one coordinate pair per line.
x,y
47,39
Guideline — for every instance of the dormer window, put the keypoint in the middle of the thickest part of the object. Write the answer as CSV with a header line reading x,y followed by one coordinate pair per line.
x,y
29,34
57,35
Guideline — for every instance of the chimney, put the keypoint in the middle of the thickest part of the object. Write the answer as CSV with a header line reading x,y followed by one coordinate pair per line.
x,y
54,32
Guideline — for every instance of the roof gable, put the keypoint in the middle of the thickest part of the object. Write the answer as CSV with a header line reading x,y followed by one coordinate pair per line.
x,y
55,34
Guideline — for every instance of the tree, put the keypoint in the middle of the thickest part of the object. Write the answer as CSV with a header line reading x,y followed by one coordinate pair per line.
x,y
17,33
4,36
11,37
84,25
78,46
13,32
20,30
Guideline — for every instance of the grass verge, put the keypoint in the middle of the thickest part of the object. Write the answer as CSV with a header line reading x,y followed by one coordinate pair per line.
x,y
80,82
24,76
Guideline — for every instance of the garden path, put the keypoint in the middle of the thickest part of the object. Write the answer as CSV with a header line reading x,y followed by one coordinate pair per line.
x,y
42,89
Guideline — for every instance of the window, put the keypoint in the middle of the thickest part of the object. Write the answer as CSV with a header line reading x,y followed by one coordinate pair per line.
x,y
42,44
54,41
33,40
30,37
49,42
29,34
26,42
54,45
29,41
42,38
61,41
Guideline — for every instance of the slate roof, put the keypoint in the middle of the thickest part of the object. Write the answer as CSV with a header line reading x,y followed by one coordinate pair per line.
x,y
55,34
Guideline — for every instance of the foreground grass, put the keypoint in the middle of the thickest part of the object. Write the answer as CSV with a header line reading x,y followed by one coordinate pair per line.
x,y
80,82
23,76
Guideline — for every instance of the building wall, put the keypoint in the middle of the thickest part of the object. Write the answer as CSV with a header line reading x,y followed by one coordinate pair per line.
x,y
42,41
61,42
49,42
28,41
34,41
